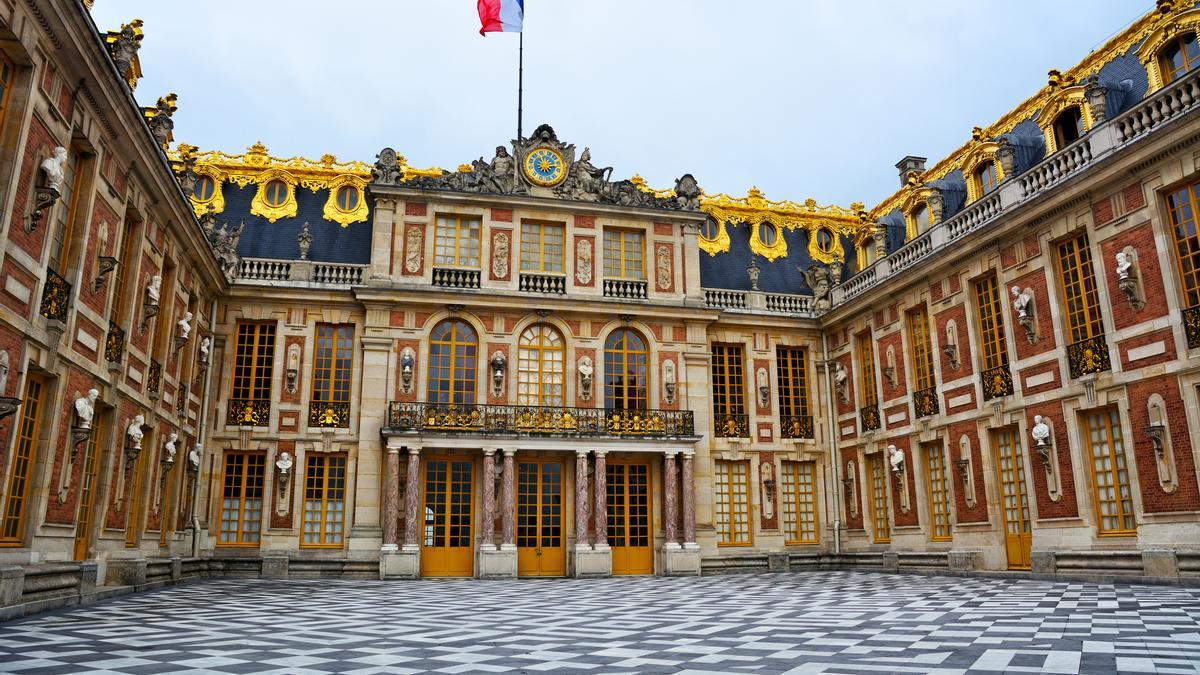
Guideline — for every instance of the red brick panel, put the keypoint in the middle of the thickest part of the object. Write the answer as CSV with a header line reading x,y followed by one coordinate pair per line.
x,y
759,408
414,208
1186,495
958,314
11,342
766,467
1102,211
899,386
417,250
1139,352
270,499
1134,197
284,395
853,521
509,376
1035,281
979,512
502,215
585,222
1154,292
22,296
957,393
62,511
1067,505
597,398
895,410
579,265
505,256
851,381
38,146
909,477
1033,380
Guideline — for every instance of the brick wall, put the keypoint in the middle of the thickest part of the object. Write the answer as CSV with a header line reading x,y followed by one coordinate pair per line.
x,y
1067,506
964,513
853,521
900,518
899,387
1154,293
1186,496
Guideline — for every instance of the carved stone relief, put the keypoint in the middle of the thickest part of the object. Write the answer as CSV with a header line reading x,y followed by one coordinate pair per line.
x,y
500,254
583,261
664,267
413,241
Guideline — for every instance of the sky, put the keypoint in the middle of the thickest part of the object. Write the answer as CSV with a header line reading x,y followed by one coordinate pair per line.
x,y
801,98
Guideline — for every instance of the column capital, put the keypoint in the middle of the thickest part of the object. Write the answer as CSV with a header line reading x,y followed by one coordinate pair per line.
x,y
671,452
414,450
393,450
508,452
688,454
600,453
582,453
488,452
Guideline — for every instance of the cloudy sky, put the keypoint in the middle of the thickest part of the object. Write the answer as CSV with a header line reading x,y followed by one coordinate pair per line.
x,y
799,97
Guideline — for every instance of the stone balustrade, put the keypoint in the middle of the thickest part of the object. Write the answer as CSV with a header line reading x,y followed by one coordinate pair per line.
x,y
258,270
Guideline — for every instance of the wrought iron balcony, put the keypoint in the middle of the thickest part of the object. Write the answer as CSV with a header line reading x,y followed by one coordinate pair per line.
x,y
925,401
997,382
56,297
329,414
1088,356
868,415
114,343
438,418
543,283
245,412
154,378
1191,326
731,426
796,426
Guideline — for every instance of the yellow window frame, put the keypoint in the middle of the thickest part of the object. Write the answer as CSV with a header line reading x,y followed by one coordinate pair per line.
x,y
245,473
732,496
24,458
324,488
1108,466
801,514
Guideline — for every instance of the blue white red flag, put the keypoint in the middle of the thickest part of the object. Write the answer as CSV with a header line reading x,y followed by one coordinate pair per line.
x,y
501,16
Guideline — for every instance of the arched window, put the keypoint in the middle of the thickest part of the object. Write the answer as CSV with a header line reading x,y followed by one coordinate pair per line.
x,y
1068,127
347,198
710,230
985,178
206,188
825,240
1178,57
540,366
625,370
453,361
917,221
275,193
767,234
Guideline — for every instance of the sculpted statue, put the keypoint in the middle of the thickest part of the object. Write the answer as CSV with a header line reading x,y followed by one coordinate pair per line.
x,y
1124,265
225,243
208,222
1020,302
194,456
817,278
762,381
126,46
499,365
387,169
304,240
752,271
585,378
284,463
161,123
54,168
669,384
1040,431
154,290
205,348
134,431
4,373
839,380
169,448
185,326
895,458
687,193
85,408
407,362
503,170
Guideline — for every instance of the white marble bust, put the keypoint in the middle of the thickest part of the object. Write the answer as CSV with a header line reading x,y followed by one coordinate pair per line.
x,y
1040,431
85,408
896,458
54,167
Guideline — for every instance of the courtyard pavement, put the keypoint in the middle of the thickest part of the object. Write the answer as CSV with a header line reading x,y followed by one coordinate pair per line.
x,y
815,622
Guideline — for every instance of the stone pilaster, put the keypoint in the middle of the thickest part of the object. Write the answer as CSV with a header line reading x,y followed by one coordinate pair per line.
x,y
488,522
581,500
508,524
670,505
412,501
391,500
689,502
601,504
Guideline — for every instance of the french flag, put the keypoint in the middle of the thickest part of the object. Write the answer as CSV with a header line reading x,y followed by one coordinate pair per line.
x,y
501,16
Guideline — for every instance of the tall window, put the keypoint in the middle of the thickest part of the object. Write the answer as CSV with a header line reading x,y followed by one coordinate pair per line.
x,y
163,322
333,362
254,361
540,369
1182,206
7,70
126,269
67,213
733,503
985,178
625,371
541,247
879,501
457,242
792,372
453,361
990,316
799,502
939,491
1110,473
729,388
1178,57
624,254
242,498
918,339
1080,296
1068,127
22,464
918,221
324,500
866,370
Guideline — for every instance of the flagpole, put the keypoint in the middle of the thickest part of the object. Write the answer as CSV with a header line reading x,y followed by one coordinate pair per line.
x,y
520,80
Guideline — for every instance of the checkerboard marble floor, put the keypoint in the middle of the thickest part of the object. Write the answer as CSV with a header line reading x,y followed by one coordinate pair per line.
x,y
817,622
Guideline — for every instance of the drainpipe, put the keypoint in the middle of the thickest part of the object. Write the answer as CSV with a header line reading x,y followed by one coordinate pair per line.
x,y
835,460
202,425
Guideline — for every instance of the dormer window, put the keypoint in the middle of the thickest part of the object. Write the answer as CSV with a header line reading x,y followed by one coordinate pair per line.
x,y
710,230
986,178
1179,56
1068,127
919,217
206,189
767,234
275,193
825,240
347,198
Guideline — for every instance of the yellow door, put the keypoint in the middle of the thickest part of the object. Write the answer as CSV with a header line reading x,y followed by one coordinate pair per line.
x,y
1014,501
447,548
87,494
628,497
540,551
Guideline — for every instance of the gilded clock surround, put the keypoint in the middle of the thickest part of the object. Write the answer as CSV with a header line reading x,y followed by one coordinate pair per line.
x,y
544,166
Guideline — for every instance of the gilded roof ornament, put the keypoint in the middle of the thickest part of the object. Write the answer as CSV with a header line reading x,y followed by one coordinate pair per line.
x,y
123,45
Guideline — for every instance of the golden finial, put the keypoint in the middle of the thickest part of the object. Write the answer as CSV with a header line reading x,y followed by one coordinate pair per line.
x,y
327,160
637,180
977,133
465,168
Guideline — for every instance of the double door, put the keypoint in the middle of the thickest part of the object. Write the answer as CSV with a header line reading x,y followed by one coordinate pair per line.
x,y
540,548
447,544
629,532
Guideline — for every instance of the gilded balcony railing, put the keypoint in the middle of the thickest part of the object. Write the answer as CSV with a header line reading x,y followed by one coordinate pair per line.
x,y
869,416
56,297
796,426
329,414
731,426
925,402
1088,356
997,382
114,343
424,417
154,378
244,412
1191,326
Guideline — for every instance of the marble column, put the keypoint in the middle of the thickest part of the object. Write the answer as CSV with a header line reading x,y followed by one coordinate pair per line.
x,y
488,524
670,505
581,500
689,502
601,503
412,501
391,500
508,509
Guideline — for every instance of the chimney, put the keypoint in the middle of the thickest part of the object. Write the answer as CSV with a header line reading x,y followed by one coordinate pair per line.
x,y
910,165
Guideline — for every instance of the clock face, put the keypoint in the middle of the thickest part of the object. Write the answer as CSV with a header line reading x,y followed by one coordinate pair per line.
x,y
545,167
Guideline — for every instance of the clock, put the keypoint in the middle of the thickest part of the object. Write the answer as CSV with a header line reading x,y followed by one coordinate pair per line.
x,y
545,167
